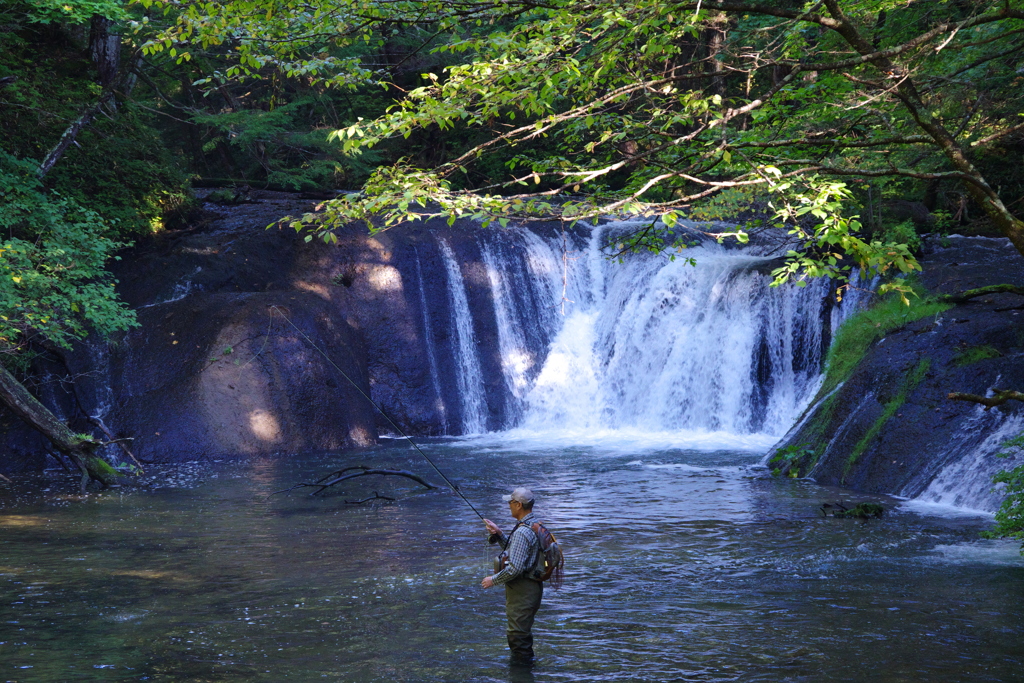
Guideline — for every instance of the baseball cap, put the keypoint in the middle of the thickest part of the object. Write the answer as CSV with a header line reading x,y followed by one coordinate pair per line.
x,y
521,494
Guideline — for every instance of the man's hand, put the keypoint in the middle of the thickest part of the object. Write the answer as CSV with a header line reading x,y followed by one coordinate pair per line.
x,y
492,528
487,582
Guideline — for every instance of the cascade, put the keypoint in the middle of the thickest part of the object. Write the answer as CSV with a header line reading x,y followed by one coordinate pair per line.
x,y
428,336
523,287
962,474
470,376
651,345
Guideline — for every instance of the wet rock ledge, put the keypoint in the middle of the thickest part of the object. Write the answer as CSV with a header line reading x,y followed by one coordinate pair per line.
x,y
890,428
217,367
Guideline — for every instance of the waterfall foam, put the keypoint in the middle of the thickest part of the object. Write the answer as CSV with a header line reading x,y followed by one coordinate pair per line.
x,y
970,462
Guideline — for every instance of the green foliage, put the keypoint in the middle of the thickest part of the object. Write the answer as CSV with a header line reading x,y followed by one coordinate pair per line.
x,y
1010,516
903,232
572,110
119,167
792,459
889,409
52,277
864,328
975,354
274,146
833,236
70,11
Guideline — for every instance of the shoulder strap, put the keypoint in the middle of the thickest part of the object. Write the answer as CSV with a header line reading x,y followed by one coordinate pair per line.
x,y
508,539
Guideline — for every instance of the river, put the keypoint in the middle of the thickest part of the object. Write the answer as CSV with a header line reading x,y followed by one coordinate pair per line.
x,y
682,565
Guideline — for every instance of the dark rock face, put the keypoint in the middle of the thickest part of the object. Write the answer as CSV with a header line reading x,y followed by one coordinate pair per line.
x,y
218,368
891,428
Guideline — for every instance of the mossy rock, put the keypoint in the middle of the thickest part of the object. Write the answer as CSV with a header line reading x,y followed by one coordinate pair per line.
x,y
859,511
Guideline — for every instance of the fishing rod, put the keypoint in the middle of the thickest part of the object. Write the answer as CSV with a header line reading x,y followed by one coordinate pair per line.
x,y
379,409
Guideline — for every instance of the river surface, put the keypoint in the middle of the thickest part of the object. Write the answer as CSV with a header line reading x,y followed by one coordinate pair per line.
x,y
682,565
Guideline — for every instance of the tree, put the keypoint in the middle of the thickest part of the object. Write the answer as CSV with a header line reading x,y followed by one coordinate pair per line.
x,y
653,108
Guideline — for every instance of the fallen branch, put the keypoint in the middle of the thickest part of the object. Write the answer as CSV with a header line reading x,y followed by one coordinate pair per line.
x,y
980,291
353,472
1001,396
375,496
11,482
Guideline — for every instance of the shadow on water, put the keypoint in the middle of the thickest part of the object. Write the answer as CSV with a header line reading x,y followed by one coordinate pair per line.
x,y
682,565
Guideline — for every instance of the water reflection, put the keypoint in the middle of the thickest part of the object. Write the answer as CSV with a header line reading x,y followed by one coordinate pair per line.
x,y
682,565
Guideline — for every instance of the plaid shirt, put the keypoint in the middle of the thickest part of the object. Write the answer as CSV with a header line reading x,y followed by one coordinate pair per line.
x,y
522,550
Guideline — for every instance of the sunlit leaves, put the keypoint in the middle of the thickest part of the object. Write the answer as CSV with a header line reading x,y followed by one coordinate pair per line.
x,y
53,280
645,108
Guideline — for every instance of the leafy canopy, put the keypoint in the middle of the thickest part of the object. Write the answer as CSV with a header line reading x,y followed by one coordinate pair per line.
x,y
653,107
53,280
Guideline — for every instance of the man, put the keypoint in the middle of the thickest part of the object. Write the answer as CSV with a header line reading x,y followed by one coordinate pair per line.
x,y
522,592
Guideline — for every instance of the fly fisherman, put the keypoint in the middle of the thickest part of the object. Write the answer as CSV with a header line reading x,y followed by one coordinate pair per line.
x,y
522,593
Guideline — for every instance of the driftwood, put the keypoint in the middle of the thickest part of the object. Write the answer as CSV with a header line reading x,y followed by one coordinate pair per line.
x,y
81,451
1001,396
347,473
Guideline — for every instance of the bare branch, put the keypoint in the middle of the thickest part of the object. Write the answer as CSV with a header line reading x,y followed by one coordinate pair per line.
x,y
354,472
994,136
1001,396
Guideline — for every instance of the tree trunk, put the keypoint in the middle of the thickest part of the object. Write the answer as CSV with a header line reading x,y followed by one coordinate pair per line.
x,y
104,50
80,450
108,99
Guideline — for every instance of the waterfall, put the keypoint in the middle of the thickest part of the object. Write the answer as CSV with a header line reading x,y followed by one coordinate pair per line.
x,y
428,336
524,282
649,346
967,465
470,377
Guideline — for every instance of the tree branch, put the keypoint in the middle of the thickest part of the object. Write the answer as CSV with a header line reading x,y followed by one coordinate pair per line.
x,y
353,472
1000,134
980,291
1001,397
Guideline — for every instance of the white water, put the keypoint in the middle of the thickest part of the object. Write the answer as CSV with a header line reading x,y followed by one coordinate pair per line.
x,y
965,481
470,377
428,335
522,325
651,353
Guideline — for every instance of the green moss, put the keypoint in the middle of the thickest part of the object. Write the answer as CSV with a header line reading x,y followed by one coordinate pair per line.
x,y
99,466
974,354
889,409
863,329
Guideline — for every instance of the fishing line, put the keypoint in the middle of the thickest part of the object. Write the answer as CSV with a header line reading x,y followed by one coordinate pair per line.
x,y
381,410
